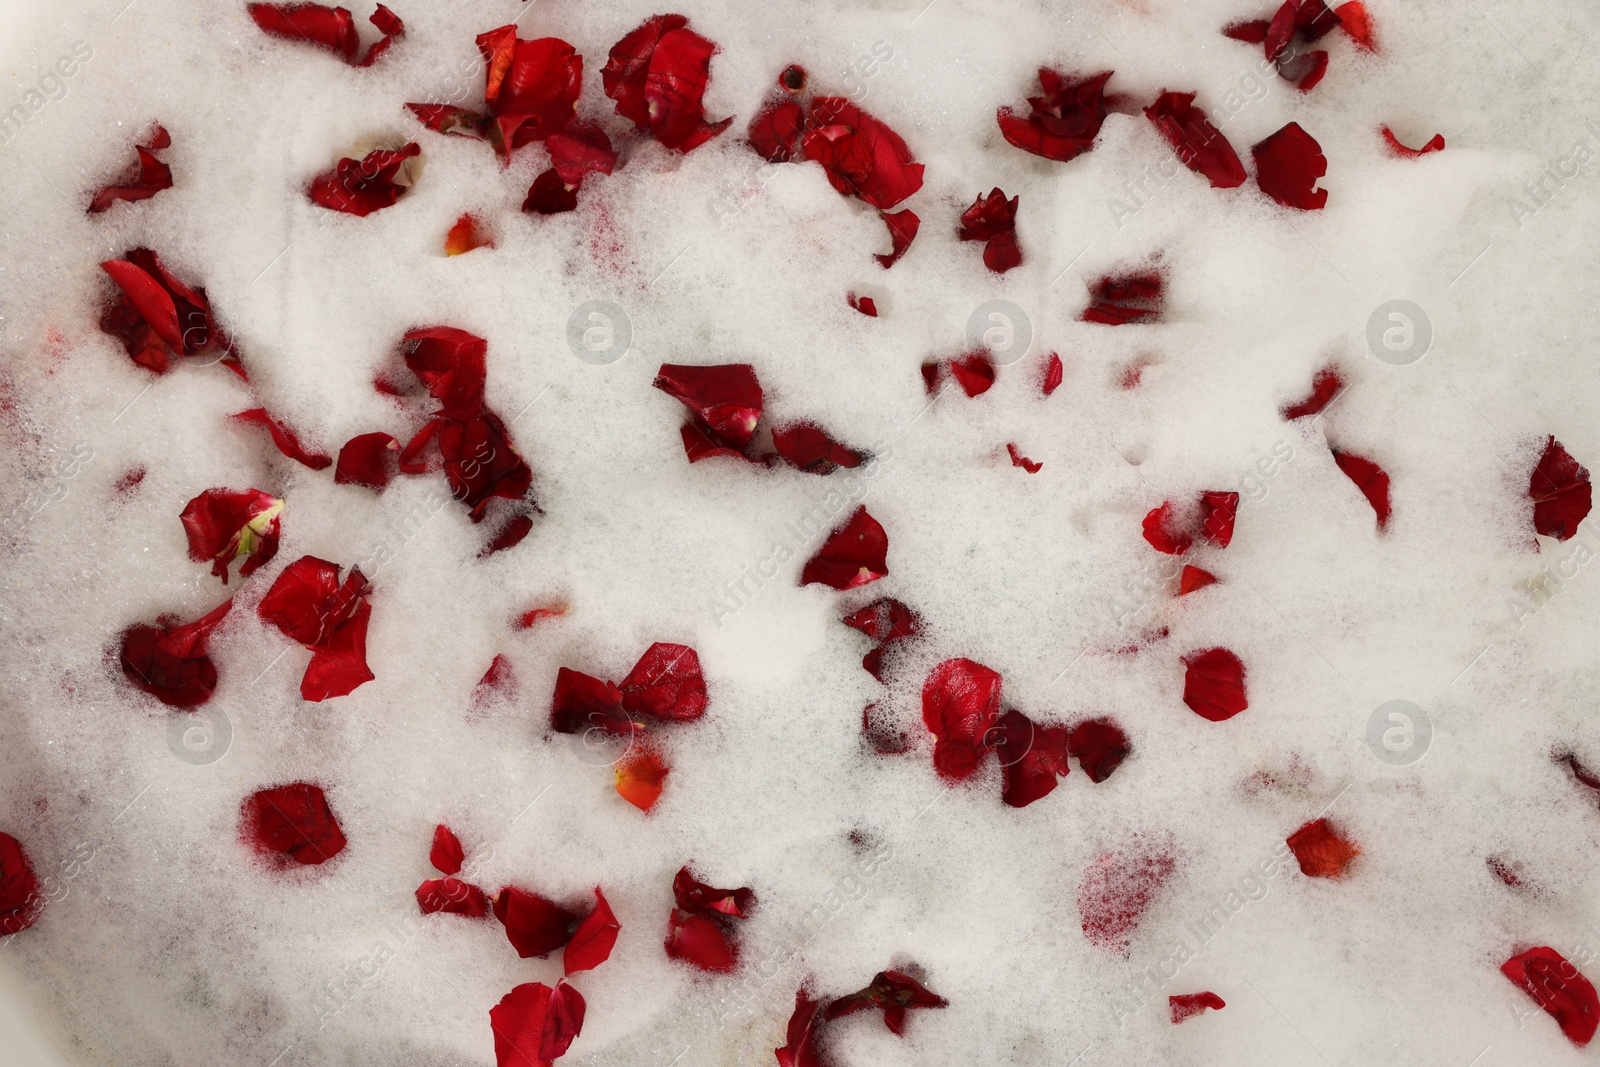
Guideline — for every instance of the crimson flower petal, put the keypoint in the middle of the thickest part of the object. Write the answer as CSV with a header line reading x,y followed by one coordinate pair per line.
x,y
390,26
1561,492
1053,373
892,992
866,305
1560,988
627,70
1200,145
149,176
885,621
308,605
1099,746
535,926
1370,479
450,364
582,702
1321,850
807,447
157,317
224,524
1194,578
1213,684
1326,384
446,855
531,87
466,235
993,220
775,131
854,554
534,1024
368,459
170,662
726,398
509,536
1019,460
300,597
592,942
452,896
903,226
1253,31
1305,70
697,898
332,28
1184,1005
339,666
285,439
1288,165
1217,513
1435,144
973,372
700,941
803,1034
1116,300
578,150
861,156
1165,531
1355,21
362,186
666,684
640,777
1064,121
154,304
960,707
20,898
1032,757
1116,890
675,87
291,824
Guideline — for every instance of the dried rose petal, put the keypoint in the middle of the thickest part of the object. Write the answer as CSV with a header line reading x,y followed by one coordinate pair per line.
x,y
1200,146
1288,165
1099,746
225,524
1321,850
1183,1005
1032,757
892,992
369,459
1065,119
1370,479
170,662
1326,384
535,926
862,157
1213,685
468,233
534,1024
592,942
453,897
1435,144
284,439
993,220
1019,460
20,898
1560,988
960,707
149,176
853,555
808,447
1115,891
666,684
1561,492
640,777
291,823
362,186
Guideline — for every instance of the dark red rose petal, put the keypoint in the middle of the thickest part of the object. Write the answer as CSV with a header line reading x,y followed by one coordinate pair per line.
x,y
697,898
807,447
450,364
1435,144
579,150
1166,532
1053,372
170,662
1370,479
892,992
1561,492
285,439
157,317
993,220
452,896
332,28
1200,146
854,554
865,304
1321,850
20,899
666,684
627,67
903,226
369,459
932,377
1253,31
1115,891
1116,300
534,925
1305,70
1325,385
534,1024
592,942
700,941
446,855
1184,1005
390,26
802,1035
466,235
1213,684
1032,757
338,667
1288,165
1194,578
1064,121
300,598
362,186
675,90
582,702
861,156
973,372
530,87
508,536
1099,746
960,707
1355,21
1560,988
291,823
224,524
1218,511
308,605
149,176
726,398
885,621
1019,460
775,131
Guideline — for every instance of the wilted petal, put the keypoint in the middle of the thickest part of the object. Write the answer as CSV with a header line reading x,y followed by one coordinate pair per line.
x,y
960,707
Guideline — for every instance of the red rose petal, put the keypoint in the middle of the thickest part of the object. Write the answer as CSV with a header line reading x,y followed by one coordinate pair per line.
x,y
531,87
700,941
533,615
1053,372
1355,21
1116,300
1200,146
865,304
1561,492
291,823
535,926
993,220
466,235
534,1024
285,439
1326,384
499,681
861,156
1064,121
369,459
1165,531
579,150
338,667
802,1035
775,131
509,536
807,447
640,778
973,372
1288,165
390,26
1253,31
1218,511
1194,578
675,90
1213,684
153,303
1099,746
1321,850
362,186
697,898
885,621
332,28
1435,144
903,226
309,606
157,317
453,897
1184,1005
1560,988
854,554
582,702
170,662
627,67
149,177
1032,757
300,597
666,684
960,707
726,399
446,855
1370,479
20,899
224,524
1114,893
892,992
1305,70
592,942
1019,460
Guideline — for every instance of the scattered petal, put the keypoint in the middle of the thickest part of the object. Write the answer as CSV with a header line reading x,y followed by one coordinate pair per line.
x,y
893,993
592,942
1213,684
1370,479
169,662
1194,578
1560,988
1435,144
535,926
1200,145
657,74
291,824
332,28
1116,300
973,372
20,898
1173,529
866,305
148,177
509,536
1032,757
775,131
697,898
903,226
582,703
225,524
862,157
854,554
960,707
1253,31
369,459
1355,21
640,778
466,235
362,186
285,439
993,220
802,1035
700,941
531,87
1561,492
1099,746
1019,460
666,684
308,605
1288,165
725,400
158,318
1321,850
534,1024
446,855
1064,121
1053,372
499,681
453,897
1183,1005
808,447
1326,384
885,621
579,150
